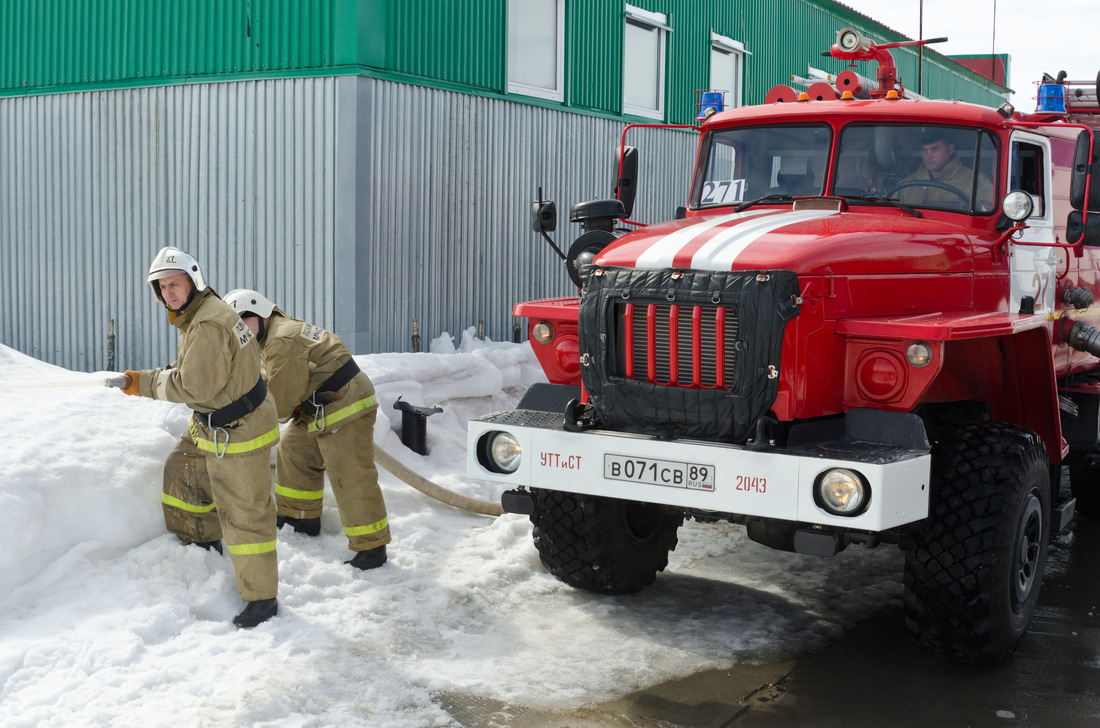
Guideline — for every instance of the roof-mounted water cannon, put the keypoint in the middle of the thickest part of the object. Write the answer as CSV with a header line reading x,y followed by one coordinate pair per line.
x,y
851,45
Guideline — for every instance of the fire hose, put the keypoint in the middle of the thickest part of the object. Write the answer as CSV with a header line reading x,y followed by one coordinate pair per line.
x,y
383,458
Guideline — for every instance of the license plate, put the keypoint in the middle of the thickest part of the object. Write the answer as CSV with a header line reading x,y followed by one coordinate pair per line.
x,y
671,473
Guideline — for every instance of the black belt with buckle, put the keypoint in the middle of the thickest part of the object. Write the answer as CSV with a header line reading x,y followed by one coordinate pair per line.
x,y
238,408
334,383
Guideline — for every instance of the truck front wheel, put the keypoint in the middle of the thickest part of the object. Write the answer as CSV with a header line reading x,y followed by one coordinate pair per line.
x,y
603,544
975,565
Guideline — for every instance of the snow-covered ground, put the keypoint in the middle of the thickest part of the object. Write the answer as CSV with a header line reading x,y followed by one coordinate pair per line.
x,y
107,620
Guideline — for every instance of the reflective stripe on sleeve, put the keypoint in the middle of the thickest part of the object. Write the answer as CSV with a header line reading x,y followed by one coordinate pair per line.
x,y
251,549
234,447
177,503
342,414
364,530
300,494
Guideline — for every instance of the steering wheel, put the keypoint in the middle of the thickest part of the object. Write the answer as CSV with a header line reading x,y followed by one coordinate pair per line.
x,y
931,183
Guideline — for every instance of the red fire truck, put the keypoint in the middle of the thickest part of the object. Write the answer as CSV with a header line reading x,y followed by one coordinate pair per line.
x,y
872,324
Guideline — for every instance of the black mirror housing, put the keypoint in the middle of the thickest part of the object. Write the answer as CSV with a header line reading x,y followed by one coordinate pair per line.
x,y
627,183
544,216
1088,234
1086,161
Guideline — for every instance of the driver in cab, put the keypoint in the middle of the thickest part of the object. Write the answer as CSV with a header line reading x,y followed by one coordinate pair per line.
x,y
950,183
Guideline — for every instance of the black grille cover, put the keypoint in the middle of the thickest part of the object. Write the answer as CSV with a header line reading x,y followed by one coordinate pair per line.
x,y
762,302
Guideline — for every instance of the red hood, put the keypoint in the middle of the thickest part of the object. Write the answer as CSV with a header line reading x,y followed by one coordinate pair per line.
x,y
804,241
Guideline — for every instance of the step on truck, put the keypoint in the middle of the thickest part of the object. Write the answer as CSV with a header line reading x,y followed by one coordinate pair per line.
x,y
872,324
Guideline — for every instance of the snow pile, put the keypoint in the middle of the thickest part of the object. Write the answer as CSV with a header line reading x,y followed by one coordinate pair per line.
x,y
105,619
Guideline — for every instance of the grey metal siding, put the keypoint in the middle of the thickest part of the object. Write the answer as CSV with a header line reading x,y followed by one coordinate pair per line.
x,y
450,182
93,184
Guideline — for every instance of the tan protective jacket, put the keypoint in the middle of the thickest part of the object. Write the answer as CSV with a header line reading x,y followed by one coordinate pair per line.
x,y
954,174
218,362
297,359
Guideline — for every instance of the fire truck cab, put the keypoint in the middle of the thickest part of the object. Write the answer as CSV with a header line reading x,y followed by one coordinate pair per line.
x,y
873,325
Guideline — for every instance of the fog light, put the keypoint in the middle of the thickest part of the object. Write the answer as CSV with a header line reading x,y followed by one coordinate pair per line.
x,y
880,375
542,332
919,354
842,492
504,452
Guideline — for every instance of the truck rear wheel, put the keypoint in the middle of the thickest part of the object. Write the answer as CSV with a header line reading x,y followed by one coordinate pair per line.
x,y
975,565
603,544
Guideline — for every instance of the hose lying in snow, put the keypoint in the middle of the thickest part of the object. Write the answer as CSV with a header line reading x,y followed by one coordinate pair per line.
x,y
428,488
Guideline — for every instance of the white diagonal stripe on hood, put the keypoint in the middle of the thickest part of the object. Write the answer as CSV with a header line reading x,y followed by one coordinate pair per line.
x,y
663,251
720,252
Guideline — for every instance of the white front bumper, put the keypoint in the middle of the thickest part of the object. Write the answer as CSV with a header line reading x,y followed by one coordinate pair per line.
x,y
771,484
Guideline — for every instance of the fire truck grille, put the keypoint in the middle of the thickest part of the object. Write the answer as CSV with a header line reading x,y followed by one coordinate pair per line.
x,y
676,345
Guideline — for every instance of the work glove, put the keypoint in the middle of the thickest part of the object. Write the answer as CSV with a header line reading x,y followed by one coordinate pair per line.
x,y
132,380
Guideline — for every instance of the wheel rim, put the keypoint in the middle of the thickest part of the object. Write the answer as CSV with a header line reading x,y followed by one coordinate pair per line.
x,y
1026,550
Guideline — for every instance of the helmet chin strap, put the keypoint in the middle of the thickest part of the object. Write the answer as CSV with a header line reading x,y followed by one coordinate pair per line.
x,y
186,303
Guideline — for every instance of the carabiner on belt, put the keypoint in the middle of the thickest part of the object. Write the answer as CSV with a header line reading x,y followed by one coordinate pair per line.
x,y
225,445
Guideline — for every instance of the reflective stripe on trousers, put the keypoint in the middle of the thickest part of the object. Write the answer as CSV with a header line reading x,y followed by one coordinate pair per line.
x,y
366,530
331,419
233,447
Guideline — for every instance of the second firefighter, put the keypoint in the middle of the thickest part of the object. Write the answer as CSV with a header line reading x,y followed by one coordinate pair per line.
x,y
331,407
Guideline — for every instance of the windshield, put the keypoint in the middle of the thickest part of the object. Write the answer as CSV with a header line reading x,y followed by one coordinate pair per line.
x,y
753,162
939,167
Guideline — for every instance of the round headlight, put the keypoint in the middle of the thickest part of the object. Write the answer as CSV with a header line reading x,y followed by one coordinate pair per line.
x,y
505,452
1017,205
542,332
919,354
842,492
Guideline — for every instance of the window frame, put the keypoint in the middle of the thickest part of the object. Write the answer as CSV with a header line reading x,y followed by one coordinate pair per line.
x,y
524,89
659,23
737,50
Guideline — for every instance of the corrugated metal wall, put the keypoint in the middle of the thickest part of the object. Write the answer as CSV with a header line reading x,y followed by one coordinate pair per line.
x,y
93,184
244,175
454,176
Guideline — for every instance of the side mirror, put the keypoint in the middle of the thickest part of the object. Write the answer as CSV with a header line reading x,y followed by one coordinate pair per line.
x,y
626,184
544,216
1086,162
1088,233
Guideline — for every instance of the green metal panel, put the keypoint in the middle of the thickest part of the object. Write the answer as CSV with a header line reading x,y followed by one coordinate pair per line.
x,y
594,51
459,42
58,45
66,45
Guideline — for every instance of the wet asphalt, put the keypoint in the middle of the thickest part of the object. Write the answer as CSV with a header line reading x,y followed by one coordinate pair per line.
x,y
875,676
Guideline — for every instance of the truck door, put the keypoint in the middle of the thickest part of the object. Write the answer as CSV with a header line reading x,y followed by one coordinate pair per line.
x,y
1037,270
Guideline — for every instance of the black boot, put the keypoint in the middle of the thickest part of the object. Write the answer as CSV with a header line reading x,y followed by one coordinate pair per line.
x,y
369,559
256,612
308,526
209,545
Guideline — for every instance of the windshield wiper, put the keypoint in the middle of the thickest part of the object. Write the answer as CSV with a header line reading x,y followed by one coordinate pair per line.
x,y
761,200
883,201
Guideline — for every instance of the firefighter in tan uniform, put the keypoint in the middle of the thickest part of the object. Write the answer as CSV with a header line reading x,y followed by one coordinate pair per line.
x,y
217,480
331,407
940,165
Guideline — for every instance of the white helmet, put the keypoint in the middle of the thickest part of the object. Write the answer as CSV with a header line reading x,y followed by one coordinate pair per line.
x,y
245,300
172,261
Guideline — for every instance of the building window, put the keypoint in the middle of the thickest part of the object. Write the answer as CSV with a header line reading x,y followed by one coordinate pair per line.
x,y
727,67
536,48
644,63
